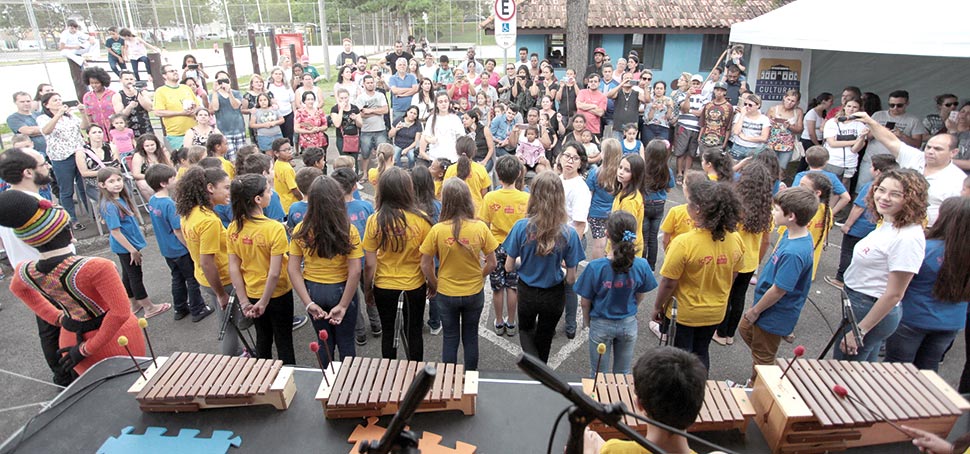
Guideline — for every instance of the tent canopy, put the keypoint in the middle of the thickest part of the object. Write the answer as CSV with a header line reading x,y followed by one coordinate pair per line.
x,y
899,27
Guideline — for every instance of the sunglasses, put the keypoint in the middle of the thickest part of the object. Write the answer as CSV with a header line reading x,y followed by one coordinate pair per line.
x,y
894,105
951,104
646,79
748,104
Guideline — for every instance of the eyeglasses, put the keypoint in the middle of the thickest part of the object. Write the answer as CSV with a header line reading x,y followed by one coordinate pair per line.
x,y
951,104
892,194
894,105
570,157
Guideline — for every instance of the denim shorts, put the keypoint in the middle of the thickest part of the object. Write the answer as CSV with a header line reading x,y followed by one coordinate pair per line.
x,y
369,142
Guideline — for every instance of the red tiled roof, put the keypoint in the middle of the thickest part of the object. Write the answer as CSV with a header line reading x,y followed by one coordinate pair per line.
x,y
604,14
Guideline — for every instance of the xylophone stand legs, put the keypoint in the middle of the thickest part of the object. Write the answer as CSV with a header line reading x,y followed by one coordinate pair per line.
x,y
848,323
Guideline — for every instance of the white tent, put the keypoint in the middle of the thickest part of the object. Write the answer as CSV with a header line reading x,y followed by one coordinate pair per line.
x,y
879,45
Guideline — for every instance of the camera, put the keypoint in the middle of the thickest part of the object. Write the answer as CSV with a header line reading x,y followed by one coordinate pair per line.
x,y
223,81
193,66
141,84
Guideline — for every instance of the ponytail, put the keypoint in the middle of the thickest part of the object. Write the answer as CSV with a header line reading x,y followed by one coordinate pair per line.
x,y
465,146
621,227
242,193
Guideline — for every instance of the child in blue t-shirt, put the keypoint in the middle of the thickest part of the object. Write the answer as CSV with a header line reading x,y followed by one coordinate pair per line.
x,y
817,157
610,291
304,178
541,288
786,279
167,225
126,238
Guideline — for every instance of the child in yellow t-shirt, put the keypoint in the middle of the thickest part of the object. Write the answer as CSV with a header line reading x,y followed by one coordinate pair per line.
x,y
500,210
324,266
821,223
700,265
438,168
392,238
718,165
457,240
473,173
257,249
629,198
284,176
385,160
677,221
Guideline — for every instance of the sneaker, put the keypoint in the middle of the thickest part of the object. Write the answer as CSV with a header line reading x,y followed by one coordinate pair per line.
x,y
754,280
500,329
201,315
570,334
721,340
436,331
511,330
179,315
361,340
376,332
299,321
655,329
245,354
789,338
834,282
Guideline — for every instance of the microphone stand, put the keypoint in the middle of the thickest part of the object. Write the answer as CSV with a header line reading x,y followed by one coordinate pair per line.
x,y
584,409
396,437
848,323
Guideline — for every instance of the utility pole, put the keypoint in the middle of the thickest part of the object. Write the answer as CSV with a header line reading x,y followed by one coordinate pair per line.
x,y
324,38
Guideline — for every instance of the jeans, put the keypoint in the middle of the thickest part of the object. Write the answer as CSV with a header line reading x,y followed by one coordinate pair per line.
x,y
784,157
366,315
265,143
398,152
174,142
922,347
696,340
131,277
861,304
571,307
116,65
66,172
148,67
653,214
489,165
459,318
651,132
845,256
735,305
186,296
341,336
276,326
413,313
739,152
620,337
230,340
369,142
539,312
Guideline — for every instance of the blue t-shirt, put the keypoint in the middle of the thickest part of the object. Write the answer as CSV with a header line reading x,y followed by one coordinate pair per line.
x,y
357,195
274,210
297,211
225,214
359,211
837,187
401,103
129,227
614,296
864,225
18,120
920,309
164,223
636,147
661,194
790,268
542,271
229,120
602,201
610,103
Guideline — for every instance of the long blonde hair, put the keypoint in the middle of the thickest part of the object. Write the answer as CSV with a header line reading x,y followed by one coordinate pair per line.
x,y
547,212
612,152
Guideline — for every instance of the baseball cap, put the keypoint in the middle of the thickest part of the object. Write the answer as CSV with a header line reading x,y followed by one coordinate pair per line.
x,y
697,77
721,85
305,59
599,50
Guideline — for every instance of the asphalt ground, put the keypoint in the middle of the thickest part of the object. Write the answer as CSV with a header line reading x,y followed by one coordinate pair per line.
x,y
25,379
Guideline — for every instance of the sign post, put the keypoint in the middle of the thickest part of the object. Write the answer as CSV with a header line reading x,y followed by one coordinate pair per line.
x,y
505,11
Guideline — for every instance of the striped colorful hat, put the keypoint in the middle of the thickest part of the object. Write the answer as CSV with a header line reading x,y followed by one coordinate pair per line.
x,y
34,221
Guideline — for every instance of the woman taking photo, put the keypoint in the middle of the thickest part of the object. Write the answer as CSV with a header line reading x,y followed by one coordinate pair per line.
x,y
885,261
94,156
844,138
310,122
405,136
392,239
786,125
813,123
62,129
441,131
284,97
484,142
658,114
226,106
524,91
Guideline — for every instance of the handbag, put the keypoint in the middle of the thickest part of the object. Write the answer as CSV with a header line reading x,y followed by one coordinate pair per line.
x,y
799,151
351,144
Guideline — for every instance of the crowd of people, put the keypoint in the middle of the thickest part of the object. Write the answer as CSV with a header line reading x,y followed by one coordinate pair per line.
x,y
479,173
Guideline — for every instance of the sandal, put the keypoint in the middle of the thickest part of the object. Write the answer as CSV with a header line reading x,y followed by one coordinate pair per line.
x,y
164,308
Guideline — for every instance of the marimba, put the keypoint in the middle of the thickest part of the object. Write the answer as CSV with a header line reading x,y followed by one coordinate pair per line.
x,y
725,408
363,387
801,413
193,381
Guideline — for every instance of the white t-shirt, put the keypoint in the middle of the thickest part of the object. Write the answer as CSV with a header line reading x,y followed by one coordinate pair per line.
x,y
426,72
813,116
284,97
944,183
17,251
843,156
447,129
77,39
373,123
882,251
578,199
906,123
751,127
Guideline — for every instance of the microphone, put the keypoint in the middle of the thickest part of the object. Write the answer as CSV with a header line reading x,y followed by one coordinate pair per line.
x,y
395,433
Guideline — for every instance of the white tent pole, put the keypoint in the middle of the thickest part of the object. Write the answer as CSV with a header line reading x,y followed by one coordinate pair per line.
x,y
40,39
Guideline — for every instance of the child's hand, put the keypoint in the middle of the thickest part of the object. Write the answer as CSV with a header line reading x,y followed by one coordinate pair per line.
x,y
136,258
336,315
751,315
314,310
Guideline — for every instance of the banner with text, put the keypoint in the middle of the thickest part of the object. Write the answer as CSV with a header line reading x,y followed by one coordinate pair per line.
x,y
775,70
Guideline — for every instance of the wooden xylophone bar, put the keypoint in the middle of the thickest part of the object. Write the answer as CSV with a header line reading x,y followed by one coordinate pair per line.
x,y
724,408
192,381
801,413
364,387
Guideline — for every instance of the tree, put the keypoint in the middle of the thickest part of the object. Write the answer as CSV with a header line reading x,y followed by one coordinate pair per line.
x,y
577,35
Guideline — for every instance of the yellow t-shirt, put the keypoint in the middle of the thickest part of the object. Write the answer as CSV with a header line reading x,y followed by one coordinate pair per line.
x,y
179,172
228,167
204,234
398,269
634,206
501,209
477,180
677,222
255,244
284,182
752,249
618,446
460,272
437,189
170,98
372,177
819,230
705,271
323,270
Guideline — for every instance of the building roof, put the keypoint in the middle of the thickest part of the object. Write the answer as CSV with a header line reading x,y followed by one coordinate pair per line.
x,y
643,14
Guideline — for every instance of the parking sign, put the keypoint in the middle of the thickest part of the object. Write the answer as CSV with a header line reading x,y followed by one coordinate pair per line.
x,y
505,11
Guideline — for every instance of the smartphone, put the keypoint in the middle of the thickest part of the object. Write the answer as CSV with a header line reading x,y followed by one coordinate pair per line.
x,y
193,66
890,125
953,115
71,103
